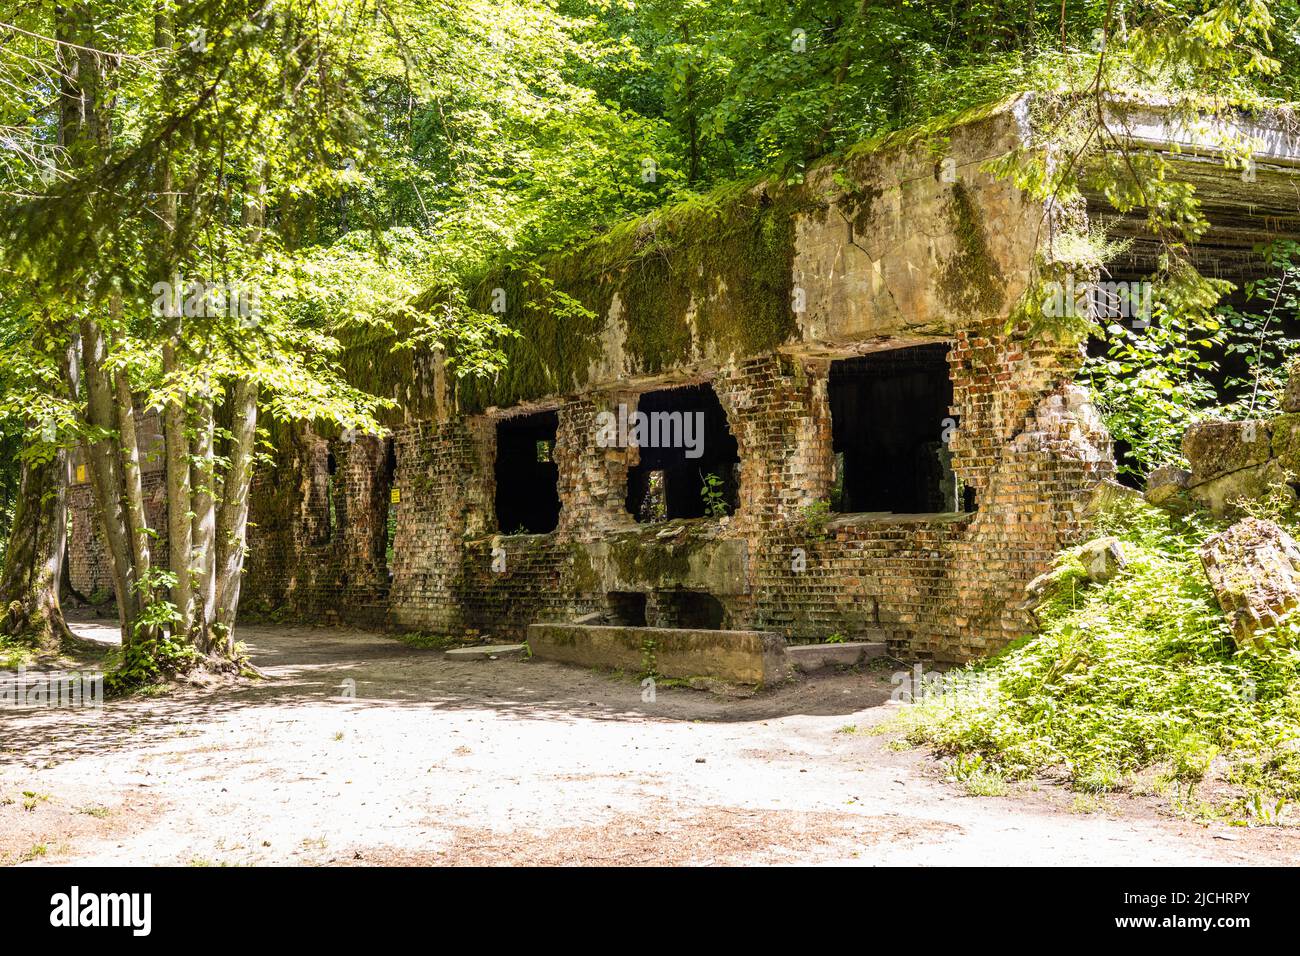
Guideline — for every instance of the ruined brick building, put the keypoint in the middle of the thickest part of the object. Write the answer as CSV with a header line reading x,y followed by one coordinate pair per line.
x,y
885,445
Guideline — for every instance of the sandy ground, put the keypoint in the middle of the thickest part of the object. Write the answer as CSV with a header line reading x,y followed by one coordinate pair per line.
x,y
437,761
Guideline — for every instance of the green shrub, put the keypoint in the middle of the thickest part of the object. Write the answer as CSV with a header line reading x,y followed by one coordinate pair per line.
x,y
1134,674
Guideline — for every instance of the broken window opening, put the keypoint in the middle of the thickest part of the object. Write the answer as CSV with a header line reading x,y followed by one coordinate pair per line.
x,y
336,497
694,610
890,414
327,526
627,608
527,492
653,508
688,457
390,515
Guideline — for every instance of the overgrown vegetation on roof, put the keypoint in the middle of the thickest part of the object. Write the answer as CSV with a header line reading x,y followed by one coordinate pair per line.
x,y
709,276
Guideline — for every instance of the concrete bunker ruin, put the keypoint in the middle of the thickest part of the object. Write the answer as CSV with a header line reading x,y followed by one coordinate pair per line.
x,y
897,450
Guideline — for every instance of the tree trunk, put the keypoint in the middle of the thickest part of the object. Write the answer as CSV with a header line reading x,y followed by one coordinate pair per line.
x,y
137,520
203,484
105,477
232,516
232,523
180,518
33,565
38,546
180,534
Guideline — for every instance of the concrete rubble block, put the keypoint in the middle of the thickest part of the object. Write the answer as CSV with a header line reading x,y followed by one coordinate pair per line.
x,y
1100,558
1215,447
1167,486
1223,495
1254,570
1107,496
1286,442
487,652
812,657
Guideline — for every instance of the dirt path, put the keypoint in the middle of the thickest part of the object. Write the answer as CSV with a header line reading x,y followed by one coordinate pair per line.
x,y
437,761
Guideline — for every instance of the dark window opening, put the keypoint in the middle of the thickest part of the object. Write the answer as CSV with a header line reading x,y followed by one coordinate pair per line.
x,y
627,608
335,495
330,501
1223,368
527,496
890,416
389,479
331,512
1244,220
688,457
696,610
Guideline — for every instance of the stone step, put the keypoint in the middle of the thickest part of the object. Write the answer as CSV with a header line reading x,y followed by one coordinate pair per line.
x,y
487,652
811,657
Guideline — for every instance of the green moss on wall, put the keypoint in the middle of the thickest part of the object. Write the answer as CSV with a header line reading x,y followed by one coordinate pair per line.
x,y
641,557
931,131
970,280
707,277
712,275
371,364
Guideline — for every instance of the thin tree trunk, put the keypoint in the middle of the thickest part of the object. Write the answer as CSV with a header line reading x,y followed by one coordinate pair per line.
x,y
137,520
180,535
232,518
202,482
232,522
106,479
180,526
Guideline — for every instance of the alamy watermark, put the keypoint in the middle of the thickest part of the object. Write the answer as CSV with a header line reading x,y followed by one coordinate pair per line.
x,y
1106,300
75,908
203,298
624,429
954,689
22,689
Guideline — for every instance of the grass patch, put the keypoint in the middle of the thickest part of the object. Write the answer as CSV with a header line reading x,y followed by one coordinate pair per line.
x,y
15,654
427,642
36,852
977,776
1136,676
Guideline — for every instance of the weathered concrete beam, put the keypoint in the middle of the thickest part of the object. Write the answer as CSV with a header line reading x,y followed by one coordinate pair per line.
x,y
742,657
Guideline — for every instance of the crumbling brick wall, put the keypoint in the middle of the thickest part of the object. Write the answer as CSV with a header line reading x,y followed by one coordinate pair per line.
x,y
318,539
90,570
942,586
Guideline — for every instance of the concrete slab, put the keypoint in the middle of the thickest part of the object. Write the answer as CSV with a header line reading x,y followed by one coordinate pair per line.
x,y
487,652
743,657
811,657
